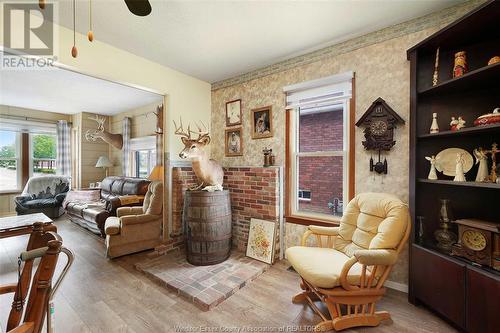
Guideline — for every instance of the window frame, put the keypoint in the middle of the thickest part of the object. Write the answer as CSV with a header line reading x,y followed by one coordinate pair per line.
x,y
19,164
291,176
141,144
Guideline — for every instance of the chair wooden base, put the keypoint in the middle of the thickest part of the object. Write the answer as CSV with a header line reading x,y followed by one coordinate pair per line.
x,y
346,308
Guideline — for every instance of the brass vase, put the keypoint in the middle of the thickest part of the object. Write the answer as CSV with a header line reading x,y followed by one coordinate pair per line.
x,y
445,235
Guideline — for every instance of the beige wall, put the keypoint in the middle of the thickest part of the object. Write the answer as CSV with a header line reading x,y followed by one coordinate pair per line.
x,y
381,71
7,206
143,123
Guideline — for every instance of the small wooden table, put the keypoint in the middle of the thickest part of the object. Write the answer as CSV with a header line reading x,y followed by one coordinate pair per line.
x,y
11,226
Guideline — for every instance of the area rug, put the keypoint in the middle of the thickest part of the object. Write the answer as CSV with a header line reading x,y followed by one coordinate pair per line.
x,y
205,286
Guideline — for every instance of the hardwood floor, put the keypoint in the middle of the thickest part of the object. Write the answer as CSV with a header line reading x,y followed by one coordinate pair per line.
x,y
100,295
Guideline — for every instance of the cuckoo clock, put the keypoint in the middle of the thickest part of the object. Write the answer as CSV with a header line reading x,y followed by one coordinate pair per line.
x,y
379,122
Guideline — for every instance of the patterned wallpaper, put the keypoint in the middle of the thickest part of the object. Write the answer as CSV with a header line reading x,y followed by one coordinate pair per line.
x,y
381,70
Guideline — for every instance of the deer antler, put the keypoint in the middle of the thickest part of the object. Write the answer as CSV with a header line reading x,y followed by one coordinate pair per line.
x,y
100,122
200,132
180,130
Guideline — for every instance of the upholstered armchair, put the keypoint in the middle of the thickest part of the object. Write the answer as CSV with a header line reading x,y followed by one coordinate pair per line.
x,y
347,268
135,229
43,194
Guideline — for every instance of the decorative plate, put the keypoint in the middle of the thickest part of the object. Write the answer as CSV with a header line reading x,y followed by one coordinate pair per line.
x,y
446,161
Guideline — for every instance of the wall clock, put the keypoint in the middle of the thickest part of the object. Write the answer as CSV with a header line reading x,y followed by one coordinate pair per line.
x,y
379,122
478,241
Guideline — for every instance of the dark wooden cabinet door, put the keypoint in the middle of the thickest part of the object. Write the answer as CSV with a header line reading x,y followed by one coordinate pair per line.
x,y
483,302
439,282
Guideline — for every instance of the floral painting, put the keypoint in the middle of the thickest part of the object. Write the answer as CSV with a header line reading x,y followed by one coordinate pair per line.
x,y
261,240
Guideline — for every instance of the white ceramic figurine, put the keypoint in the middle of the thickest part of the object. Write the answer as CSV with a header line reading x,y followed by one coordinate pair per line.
x,y
432,172
459,169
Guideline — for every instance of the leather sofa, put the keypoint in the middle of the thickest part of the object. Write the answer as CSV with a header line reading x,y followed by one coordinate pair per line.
x,y
136,229
43,194
115,192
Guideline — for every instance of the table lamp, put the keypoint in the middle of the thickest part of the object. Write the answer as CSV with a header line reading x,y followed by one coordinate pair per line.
x,y
156,173
104,162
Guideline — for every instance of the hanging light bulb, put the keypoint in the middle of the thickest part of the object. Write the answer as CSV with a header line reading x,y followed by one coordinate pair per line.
x,y
90,34
41,4
74,50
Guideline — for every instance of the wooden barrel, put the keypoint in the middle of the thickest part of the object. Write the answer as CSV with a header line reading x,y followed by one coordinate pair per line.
x,y
207,226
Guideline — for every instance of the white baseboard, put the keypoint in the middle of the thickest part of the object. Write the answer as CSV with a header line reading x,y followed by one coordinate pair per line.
x,y
396,286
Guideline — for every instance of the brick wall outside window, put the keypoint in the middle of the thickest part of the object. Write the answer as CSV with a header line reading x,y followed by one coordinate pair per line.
x,y
320,175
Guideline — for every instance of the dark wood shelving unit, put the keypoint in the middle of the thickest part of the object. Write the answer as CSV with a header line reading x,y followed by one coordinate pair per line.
x,y
463,184
455,288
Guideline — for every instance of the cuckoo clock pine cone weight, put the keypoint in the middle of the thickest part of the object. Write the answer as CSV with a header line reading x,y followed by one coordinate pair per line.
x,y
379,122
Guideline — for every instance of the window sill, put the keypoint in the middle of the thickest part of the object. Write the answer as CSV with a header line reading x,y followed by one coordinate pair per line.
x,y
312,221
7,192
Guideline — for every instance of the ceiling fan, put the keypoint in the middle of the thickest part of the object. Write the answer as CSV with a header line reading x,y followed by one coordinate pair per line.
x,y
136,7
139,7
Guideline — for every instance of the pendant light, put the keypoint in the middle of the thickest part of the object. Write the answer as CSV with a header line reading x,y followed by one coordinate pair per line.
x,y
74,50
41,4
90,34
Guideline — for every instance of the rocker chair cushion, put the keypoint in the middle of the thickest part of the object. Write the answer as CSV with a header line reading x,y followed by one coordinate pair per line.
x,y
322,266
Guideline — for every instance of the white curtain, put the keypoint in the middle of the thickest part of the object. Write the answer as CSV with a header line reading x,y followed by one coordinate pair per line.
x,y
126,169
63,158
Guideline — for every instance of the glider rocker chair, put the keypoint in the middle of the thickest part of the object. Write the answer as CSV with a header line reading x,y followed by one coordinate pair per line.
x,y
348,267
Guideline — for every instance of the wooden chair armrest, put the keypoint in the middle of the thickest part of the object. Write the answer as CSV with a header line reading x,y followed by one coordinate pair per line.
x,y
319,231
8,288
24,328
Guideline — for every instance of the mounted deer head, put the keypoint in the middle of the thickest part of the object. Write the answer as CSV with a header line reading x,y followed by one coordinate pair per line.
x,y
116,140
209,172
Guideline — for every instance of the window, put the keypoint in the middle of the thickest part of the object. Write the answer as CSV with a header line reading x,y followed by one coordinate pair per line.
x,y
143,155
43,154
10,167
145,161
319,122
304,195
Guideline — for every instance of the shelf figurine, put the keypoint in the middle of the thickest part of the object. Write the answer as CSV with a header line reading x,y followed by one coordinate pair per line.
x,y
432,172
482,159
434,125
460,67
459,169
461,123
453,124
493,152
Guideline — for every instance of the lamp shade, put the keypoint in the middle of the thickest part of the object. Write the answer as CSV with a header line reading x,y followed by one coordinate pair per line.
x,y
103,162
156,173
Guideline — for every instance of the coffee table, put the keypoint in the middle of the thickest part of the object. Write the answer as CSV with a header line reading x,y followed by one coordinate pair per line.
x,y
11,226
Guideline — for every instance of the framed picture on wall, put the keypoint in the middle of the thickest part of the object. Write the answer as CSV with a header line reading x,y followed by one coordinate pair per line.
x,y
261,240
234,142
233,113
262,122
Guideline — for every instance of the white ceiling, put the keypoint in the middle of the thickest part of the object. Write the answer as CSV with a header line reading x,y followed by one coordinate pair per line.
x,y
215,40
64,91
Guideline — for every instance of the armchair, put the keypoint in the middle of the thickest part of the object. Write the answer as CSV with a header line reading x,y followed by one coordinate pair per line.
x,y
350,263
43,194
136,229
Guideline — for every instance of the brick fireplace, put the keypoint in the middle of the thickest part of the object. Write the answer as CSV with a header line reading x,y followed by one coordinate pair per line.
x,y
255,193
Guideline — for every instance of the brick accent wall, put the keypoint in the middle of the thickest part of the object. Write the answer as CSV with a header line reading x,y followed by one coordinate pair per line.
x,y
322,176
254,194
